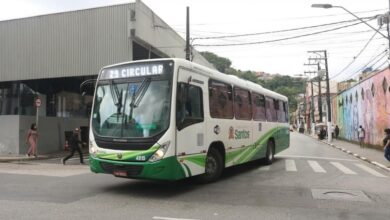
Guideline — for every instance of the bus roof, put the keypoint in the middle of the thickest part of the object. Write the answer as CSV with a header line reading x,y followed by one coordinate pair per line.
x,y
230,79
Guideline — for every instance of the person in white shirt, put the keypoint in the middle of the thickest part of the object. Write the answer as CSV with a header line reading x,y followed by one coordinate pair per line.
x,y
361,135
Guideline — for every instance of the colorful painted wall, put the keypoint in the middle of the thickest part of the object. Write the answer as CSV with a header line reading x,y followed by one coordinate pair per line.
x,y
367,104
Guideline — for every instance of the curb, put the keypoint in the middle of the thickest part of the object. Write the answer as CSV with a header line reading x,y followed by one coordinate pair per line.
x,y
5,159
20,159
379,165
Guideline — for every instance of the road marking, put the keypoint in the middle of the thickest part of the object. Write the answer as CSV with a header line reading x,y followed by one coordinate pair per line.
x,y
318,158
369,170
168,218
290,166
343,168
264,168
316,166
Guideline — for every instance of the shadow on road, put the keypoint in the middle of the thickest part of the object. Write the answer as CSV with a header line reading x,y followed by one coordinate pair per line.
x,y
169,189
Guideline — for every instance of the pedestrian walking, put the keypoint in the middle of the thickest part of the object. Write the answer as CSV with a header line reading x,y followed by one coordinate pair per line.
x,y
74,144
386,143
361,135
336,131
32,140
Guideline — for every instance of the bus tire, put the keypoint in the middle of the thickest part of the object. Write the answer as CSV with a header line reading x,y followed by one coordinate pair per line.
x,y
213,167
270,155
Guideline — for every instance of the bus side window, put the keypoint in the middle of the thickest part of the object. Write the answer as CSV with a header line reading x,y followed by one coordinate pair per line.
x,y
189,105
271,112
259,113
220,100
285,109
242,104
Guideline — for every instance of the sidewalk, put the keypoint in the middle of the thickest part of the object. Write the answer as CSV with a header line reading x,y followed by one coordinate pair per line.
x,y
370,155
19,157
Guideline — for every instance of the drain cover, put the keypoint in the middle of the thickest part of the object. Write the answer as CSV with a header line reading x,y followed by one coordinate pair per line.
x,y
337,194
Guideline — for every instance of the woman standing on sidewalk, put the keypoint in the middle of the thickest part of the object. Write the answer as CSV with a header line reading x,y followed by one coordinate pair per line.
x,y
31,140
386,143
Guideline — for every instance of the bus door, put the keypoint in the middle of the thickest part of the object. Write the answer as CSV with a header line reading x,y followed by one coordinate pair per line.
x,y
190,127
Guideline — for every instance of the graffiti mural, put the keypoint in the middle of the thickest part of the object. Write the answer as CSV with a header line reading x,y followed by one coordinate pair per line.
x,y
367,104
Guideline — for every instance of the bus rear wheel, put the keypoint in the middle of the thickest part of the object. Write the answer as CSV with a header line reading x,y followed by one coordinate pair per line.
x,y
270,156
213,167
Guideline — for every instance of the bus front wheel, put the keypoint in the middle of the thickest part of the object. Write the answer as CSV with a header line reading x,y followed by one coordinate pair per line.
x,y
213,167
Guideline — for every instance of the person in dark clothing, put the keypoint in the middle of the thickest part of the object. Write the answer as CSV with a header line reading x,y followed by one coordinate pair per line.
x,y
337,131
386,143
74,146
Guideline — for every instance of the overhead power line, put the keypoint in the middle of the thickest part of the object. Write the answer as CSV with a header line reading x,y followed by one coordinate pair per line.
x,y
356,56
382,55
278,31
280,39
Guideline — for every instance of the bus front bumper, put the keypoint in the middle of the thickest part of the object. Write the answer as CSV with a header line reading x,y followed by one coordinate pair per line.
x,y
165,169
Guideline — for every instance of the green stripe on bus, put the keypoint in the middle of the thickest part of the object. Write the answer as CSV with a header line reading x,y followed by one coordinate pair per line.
x,y
197,159
188,169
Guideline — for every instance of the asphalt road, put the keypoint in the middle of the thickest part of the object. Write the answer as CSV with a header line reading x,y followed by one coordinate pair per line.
x,y
310,180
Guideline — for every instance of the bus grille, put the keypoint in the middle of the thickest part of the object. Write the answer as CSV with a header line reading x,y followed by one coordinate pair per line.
x,y
132,170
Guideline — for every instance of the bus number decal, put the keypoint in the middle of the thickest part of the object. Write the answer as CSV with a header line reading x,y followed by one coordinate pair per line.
x,y
141,158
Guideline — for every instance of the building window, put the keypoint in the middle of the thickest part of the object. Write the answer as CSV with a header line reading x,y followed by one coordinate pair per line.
x,y
384,85
362,94
373,90
350,98
356,96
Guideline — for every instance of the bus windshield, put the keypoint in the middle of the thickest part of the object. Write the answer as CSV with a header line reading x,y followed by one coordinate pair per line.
x,y
132,107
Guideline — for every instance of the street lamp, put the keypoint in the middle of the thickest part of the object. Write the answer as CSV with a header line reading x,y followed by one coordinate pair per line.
x,y
326,6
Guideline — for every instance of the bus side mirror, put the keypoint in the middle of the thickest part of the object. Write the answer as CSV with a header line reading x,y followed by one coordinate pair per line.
x,y
87,87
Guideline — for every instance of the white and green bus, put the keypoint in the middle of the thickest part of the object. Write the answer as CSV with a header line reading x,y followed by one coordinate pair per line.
x,y
169,119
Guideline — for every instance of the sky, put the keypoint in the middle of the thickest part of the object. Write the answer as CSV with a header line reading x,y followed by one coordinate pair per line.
x,y
350,49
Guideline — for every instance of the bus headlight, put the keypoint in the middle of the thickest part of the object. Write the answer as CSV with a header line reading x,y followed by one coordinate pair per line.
x,y
159,154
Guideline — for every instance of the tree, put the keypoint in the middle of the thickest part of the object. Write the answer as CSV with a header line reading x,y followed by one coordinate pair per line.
x,y
221,63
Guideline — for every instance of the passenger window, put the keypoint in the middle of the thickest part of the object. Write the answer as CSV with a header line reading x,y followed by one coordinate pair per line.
x,y
242,104
189,105
270,109
258,107
220,100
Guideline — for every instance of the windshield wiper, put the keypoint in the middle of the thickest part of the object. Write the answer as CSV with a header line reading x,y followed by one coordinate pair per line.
x,y
138,95
117,98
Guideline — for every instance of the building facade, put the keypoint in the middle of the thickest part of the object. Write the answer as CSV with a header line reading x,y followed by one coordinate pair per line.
x,y
49,56
367,103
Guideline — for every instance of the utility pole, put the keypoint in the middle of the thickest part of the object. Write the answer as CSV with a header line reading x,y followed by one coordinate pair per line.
x,y
188,49
329,123
312,109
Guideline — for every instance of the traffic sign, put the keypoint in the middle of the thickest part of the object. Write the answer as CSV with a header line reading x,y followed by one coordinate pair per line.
x,y
38,102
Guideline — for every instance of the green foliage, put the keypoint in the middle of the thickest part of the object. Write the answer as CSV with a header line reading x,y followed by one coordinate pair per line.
x,y
220,63
287,86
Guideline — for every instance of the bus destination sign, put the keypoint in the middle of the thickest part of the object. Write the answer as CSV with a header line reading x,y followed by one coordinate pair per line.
x,y
150,69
